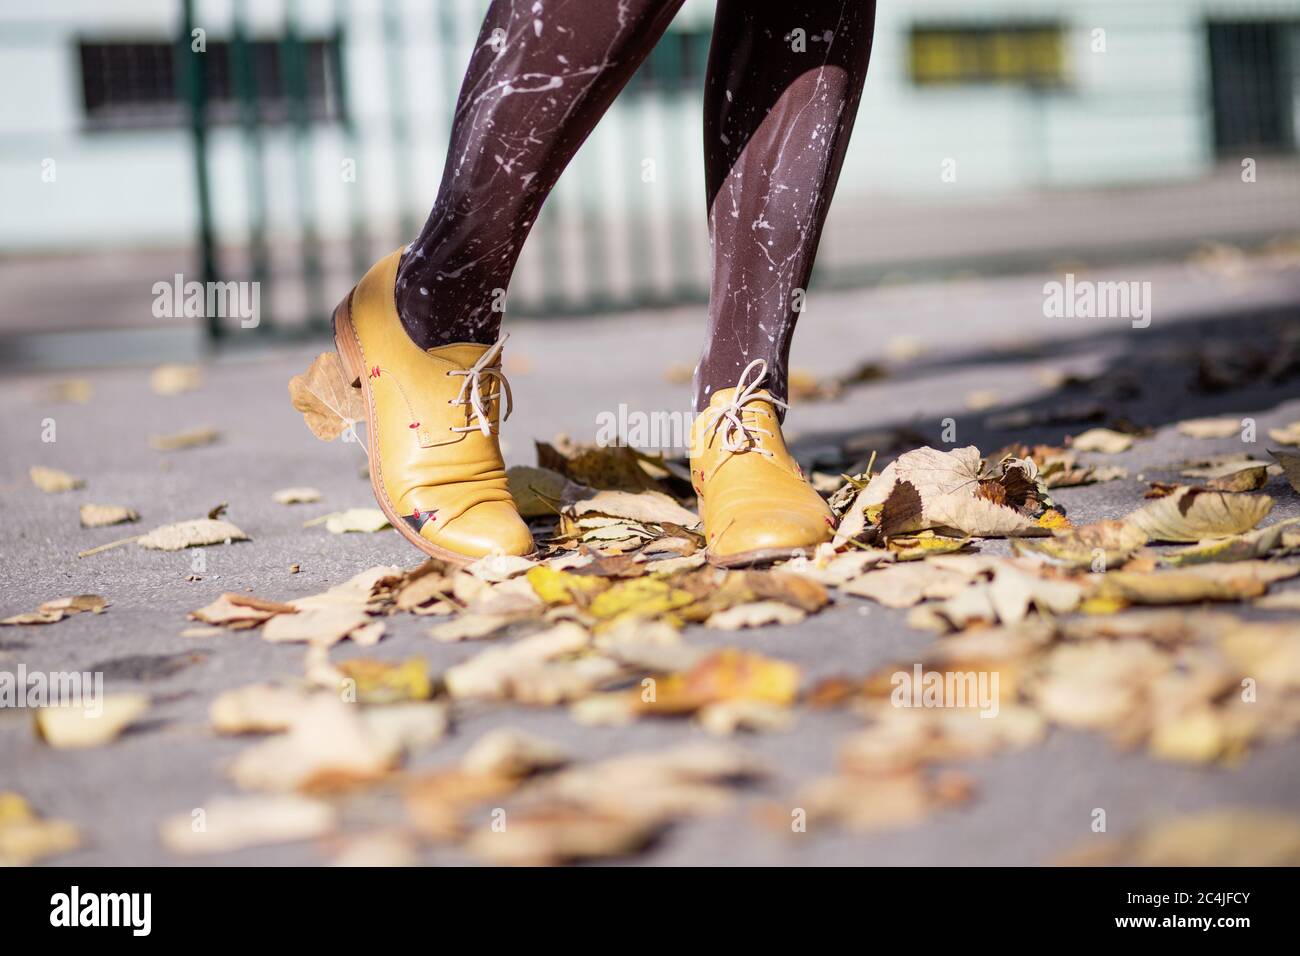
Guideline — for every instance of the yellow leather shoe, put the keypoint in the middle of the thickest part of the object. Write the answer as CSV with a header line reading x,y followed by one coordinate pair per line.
x,y
432,419
756,504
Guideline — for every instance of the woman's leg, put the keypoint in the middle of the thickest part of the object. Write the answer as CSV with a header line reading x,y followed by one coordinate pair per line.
x,y
783,86
542,74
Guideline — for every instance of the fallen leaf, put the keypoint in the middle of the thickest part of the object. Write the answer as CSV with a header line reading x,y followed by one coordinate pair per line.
x,y
1287,435
328,743
1210,427
363,520
52,481
1098,546
756,614
174,379
1194,514
491,673
1244,547
75,390
927,488
101,516
296,496
1103,440
240,611
92,726
1222,837
26,838
189,438
1290,462
235,823
257,709
728,674
321,625
383,682
51,612
327,400
512,753
191,534
903,585
649,507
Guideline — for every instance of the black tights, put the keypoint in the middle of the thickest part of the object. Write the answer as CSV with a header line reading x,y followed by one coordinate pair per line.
x,y
782,90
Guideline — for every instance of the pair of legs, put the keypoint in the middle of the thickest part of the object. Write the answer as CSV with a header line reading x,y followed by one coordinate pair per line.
x,y
783,85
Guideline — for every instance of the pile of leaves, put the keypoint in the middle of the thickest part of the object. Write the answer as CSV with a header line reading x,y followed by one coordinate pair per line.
x,y
1101,627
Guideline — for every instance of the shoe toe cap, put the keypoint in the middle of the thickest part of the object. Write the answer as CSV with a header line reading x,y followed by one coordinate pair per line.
x,y
491,527
771,530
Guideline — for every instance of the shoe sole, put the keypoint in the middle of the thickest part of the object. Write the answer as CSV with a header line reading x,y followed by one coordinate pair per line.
x,y
348,345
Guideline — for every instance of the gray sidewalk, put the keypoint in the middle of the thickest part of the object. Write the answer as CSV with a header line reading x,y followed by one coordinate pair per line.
x,y
975,342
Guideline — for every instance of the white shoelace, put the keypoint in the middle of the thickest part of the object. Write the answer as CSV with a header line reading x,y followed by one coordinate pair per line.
x,y
737,435
471,390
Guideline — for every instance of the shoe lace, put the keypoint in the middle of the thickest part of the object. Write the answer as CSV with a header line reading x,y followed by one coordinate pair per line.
x,y
738,435
471,390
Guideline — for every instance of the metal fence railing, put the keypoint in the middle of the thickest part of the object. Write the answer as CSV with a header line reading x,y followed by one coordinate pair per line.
x,y
329,122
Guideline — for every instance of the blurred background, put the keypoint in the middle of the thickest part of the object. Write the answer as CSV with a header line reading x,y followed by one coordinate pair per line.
x,y
306,139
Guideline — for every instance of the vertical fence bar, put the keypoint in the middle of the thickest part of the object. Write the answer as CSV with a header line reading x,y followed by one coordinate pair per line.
x,y
190,68
680,246
294,66
640,249
360,241
399,120
244,76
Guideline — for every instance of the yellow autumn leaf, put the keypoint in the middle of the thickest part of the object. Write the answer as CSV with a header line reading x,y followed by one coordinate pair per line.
x,y
639,597
564,587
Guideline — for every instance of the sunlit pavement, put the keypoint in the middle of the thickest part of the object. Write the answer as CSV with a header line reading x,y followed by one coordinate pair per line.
x,y
944,347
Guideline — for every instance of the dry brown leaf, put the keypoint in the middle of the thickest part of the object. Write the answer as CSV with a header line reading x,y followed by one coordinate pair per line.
x,y
26,838
551,835
327,400
1290,462
368,681
1102,545
240,611
1243,547
513,754
491,672
189,438
648,507
328,743
92,726
191,534
1210,427
539,492
174,379
257,709
363,520
296,496
1097,685
1195,514
1105,441
1286,435
903,585
101,516
52,481
927,488
320,625
234,823
755,614
865,803
51,612
1223,837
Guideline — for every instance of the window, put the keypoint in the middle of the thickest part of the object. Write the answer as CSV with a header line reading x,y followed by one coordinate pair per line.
x,y
675,65
136,83
1254,88
1031,55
